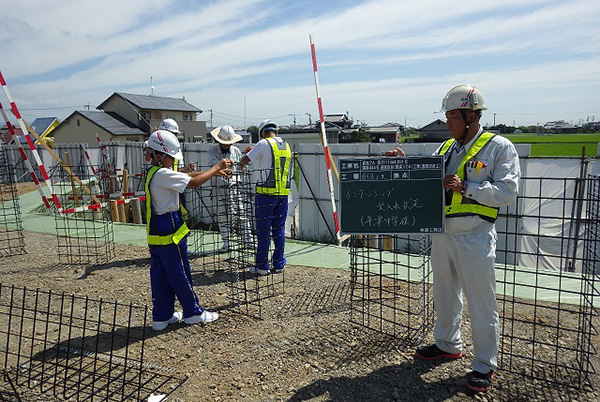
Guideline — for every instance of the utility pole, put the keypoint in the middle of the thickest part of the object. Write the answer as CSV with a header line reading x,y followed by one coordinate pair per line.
x,y
309,118
294,116
494,119
211,118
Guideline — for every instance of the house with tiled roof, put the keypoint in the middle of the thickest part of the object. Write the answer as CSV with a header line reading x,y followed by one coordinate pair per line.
x,y
128,117
44,127
434,131
83,126
7,137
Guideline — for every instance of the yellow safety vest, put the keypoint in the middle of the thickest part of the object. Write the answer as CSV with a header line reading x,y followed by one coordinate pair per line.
x,y
158,240
462,206
279,179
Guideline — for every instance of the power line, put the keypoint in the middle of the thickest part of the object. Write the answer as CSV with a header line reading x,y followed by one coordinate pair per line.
x,y
58,108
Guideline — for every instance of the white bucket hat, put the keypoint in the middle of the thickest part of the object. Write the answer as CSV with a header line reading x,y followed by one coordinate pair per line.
x,y
225,135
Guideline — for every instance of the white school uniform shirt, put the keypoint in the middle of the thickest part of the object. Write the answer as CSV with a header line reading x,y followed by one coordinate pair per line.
x,y
165,187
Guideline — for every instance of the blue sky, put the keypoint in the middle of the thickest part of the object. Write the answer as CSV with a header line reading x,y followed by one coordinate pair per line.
x,y
247,60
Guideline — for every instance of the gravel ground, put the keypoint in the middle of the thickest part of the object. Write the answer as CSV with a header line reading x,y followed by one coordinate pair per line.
x,y
301,350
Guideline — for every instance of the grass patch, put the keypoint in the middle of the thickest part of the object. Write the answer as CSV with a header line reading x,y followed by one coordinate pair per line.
x,y
554,138
550,144
564,149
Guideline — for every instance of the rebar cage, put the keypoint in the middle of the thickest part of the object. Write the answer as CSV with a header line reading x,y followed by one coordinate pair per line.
x,y
83,222
12,240
391,285
223,239
546,276
76,348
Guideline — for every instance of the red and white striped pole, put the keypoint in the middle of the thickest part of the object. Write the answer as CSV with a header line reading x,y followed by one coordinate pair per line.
x,y
32,147
324,140
104,154
15,138
87,156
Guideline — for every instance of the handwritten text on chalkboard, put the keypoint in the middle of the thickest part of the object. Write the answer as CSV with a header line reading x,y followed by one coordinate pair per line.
x,y
391,195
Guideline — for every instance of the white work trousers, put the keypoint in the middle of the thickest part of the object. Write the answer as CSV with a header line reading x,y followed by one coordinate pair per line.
x,y
464,262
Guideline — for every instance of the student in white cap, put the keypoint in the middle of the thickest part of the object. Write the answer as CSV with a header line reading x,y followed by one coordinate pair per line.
x,y
170,273
272,158
228,203
172,126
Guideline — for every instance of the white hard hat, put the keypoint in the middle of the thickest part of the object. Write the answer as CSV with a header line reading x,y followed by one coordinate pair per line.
x,y
165,141
225,135
463,96
169,125
266,123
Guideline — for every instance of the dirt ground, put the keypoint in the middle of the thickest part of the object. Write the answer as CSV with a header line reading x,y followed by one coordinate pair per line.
x,y
301,349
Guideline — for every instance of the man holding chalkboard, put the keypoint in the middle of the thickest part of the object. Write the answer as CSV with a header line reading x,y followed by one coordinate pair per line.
x,y
482,175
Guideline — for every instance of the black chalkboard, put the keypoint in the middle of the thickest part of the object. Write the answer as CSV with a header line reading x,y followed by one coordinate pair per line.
x,y
391,195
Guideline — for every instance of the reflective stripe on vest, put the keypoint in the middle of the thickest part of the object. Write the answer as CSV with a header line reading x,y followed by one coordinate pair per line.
x,y
158,240
279,179
462,206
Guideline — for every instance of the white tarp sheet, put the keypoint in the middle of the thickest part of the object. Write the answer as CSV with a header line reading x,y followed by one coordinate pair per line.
x,y
544,243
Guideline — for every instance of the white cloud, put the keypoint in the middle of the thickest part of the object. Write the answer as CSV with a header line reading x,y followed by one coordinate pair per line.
x,y
382,60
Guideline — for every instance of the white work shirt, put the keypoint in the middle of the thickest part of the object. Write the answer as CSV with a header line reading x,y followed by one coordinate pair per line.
x,y
262,155
494,185
215,154
165,187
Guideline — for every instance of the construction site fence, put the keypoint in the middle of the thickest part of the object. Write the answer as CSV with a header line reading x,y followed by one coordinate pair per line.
x,y
310,209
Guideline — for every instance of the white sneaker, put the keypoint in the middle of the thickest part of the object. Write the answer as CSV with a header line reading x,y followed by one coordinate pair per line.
x,y
160,325
206,316
261,272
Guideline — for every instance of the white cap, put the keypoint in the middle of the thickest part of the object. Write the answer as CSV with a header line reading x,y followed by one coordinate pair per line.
x,y
463,96
165,141
169,125
266,123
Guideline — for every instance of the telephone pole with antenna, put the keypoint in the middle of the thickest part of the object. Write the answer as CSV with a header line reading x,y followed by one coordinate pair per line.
x,y
294,116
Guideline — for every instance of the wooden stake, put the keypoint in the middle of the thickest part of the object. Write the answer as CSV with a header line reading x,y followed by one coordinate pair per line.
x,y
121,208
73,185
126,190
136,210
114,211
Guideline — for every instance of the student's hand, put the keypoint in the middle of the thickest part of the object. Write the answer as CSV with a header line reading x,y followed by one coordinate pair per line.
x,y
190,167
248,148
395,152
227,173
224,163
